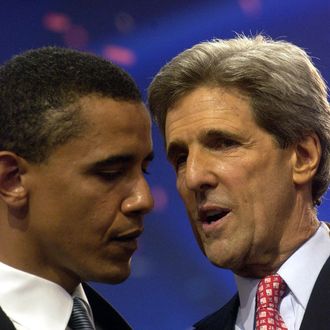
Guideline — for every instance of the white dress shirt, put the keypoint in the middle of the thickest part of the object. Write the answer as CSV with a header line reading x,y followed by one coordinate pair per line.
x,y
34,303
299,272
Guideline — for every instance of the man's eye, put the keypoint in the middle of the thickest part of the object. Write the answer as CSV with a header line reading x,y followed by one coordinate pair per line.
x,y
180,161
110,176
223,144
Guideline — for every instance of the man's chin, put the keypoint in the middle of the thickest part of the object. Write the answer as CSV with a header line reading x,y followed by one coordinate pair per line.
x,y
221,260
112,276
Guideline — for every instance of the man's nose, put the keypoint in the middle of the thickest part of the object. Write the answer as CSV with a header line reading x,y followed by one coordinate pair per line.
x,y
199,175
140,200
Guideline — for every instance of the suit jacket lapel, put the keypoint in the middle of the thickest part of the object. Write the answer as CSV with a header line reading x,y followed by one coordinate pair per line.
x,y
105,316
317,314
5,323
229,324
223,319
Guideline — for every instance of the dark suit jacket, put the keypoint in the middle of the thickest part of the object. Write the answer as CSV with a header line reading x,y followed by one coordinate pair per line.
x,y
105,317
317,315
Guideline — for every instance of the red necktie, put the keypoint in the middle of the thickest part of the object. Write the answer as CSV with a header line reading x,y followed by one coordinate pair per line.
x,y
269,294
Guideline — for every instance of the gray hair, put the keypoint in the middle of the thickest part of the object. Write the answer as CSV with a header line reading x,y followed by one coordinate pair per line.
x,y
288,94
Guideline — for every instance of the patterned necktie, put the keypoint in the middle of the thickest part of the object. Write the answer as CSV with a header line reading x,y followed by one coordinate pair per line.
x,y
269,294
80,319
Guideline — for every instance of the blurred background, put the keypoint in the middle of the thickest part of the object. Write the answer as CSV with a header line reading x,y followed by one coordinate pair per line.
x,y
172,283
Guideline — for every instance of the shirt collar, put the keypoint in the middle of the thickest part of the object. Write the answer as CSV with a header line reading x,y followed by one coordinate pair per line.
x,y
247,289
301,270
35,302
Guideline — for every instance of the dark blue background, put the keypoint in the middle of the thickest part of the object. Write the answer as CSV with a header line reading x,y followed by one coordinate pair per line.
x,y
172,284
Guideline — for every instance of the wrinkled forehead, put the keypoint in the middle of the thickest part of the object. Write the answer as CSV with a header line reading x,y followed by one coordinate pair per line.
x,y
207,106
211,87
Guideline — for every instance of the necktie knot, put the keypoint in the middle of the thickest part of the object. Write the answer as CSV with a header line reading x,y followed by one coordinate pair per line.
x,y
80,319
270,292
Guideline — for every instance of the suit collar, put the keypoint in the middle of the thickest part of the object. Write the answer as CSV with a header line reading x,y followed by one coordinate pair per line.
x,y
5,323
293,271
317,314
105,316
223,319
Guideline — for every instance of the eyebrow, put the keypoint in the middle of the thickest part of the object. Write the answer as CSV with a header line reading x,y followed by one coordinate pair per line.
x,y
178,146
219,134
120,159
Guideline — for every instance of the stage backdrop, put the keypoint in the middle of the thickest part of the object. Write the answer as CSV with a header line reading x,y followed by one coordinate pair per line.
x,y
172,284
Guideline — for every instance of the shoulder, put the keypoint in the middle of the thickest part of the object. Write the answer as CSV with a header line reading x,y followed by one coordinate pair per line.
x,y
222,319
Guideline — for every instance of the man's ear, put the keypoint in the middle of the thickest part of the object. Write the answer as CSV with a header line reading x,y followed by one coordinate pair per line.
x,y
12,190
306,159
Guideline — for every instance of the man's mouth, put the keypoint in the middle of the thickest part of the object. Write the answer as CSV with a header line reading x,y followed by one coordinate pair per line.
x,y
129,236
211,215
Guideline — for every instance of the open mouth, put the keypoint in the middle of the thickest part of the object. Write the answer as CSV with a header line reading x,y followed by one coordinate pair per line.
x,y
211,216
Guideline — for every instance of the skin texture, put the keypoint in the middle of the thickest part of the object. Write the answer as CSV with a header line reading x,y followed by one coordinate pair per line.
x,y
63,219
225,162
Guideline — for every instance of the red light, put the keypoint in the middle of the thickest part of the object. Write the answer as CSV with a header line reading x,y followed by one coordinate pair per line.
x,y
76,37
250,7
56,22
120,55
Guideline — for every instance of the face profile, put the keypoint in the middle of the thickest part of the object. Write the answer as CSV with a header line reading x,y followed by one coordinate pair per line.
x,y
75,146
88,199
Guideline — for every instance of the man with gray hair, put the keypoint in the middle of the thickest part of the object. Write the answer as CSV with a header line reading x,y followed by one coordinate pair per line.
x,y
246,123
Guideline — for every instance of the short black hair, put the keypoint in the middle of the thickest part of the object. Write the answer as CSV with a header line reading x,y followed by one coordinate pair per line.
x,y
39,90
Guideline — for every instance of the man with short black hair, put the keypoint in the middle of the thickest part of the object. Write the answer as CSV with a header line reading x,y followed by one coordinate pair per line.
x,y
75,143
